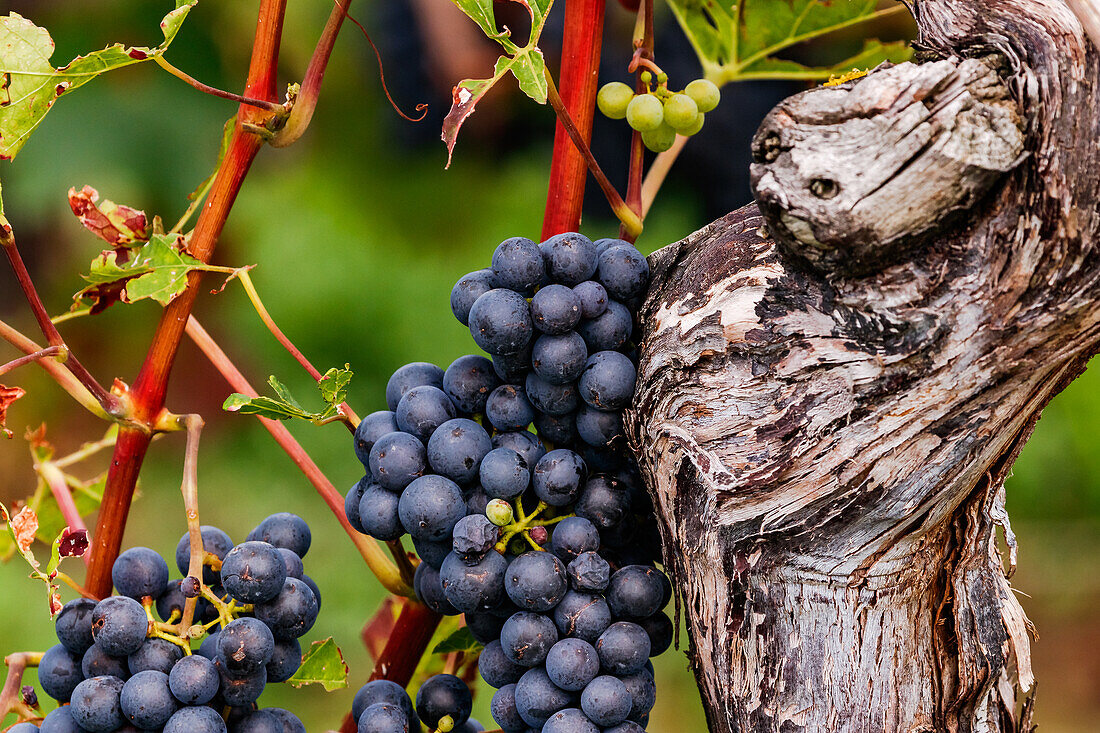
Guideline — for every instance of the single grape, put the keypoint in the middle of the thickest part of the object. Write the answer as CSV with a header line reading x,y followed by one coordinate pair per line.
x,y
536,581
570,258
119,625
146,700
496,668
704,93
606,701
97,663
140,572
522,442
74,625
558,477
603,501
209,646
573,536
623,272
572,664
561,429
689,131
582,616
537,698
474,535
589,573
290,614
241,691
570,720
504,474
608,331
154,654
60,672
370,429
553,399
592,296
60,720
500,322
95,704
660,630
456,448
294,566
527,637
518,265
284,530
193,680
429,589
635,592
214,541
644,113
195,720
485,627
422,410
397,459
245,646
442,695
476,500
468,382
598,427
313,587
613,98
508,408
383,691
680,112
659,139
430,507
499,512
259,721
432,553
467,290
559,359
623,648
416,374
477,587
253,572
382,717
512,368
504,712
556,309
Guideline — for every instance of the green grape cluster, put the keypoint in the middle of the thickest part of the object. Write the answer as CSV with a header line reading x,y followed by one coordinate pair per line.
x,y
659,113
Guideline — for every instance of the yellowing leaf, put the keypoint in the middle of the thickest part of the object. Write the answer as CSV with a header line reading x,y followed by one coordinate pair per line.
x,y
157,269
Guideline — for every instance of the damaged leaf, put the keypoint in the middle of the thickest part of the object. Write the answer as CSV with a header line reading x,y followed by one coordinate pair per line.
x,y
8,395
111,222
157,269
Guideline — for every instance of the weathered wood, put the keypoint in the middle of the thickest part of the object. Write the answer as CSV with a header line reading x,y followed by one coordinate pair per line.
x,y
826,423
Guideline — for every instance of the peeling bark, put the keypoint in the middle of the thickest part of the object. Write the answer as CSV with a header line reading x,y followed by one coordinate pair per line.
x,y
826,419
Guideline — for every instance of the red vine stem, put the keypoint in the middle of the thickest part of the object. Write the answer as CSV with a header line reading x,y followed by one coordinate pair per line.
x,y
396,578
412,632
579,77
147,395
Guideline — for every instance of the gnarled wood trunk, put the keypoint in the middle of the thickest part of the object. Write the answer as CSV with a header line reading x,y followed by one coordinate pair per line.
x,y
832,392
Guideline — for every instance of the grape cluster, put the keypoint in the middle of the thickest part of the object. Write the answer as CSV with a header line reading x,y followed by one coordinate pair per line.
x,y
545,541
659,113
120,669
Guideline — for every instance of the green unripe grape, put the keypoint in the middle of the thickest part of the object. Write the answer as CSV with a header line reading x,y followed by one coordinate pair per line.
x,y
705,94
662,78
659,140
613,98
694,128
499,512
645,112
646,77
680,112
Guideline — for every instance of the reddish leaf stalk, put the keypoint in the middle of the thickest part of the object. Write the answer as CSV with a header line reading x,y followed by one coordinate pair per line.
x,y
57,372
643,50
59,487
579,78
49,351
147,395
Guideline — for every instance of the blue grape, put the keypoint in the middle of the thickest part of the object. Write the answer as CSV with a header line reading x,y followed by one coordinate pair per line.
x,y
377,513
478,587
195,720
245,646
60,720
370,429
623,648
155,654
561,429
504,474
468,382
609,330
173,600
572,536
209,646
467,290
396,459
290,721
513,368
559,359
602,245
635,592
290,614
74,625
95,704
603,501
313,587
582,616
570,258
146,700
476,500
442,695
430,507
416,374
429,589
598,427
382,717
527,637
456,448
643,692
537,698
496,668
285,531
241,691
572,664
607,382
504,712
606,700
518,265
558,477
570,720
97,663
623,271
500,322
214,541
194,680
422,410
473,536
555,309
383,691
119,625
536,581
485,627
589,573
660,631
285,660
258,721
294,566
432,553
60,672
509,409
592,297
23,728
253,572
553,399
140,572
522,442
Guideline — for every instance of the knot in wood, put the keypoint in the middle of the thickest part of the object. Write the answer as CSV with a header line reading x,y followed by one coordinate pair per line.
x,y
849,177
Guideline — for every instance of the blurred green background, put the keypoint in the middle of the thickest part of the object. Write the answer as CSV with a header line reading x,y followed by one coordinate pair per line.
x,y
359,234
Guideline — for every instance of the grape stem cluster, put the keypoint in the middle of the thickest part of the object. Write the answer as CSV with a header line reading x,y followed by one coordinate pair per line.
x,y
524,524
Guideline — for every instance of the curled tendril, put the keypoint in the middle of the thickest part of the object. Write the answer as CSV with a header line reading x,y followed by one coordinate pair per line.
x,y
421,108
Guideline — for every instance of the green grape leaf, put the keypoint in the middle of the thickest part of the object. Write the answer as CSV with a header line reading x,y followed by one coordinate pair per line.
x,y
333,387
29,84
157,269
738,40
461,640
111,222
322,664
525,63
